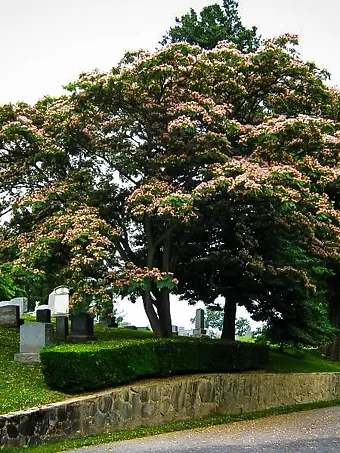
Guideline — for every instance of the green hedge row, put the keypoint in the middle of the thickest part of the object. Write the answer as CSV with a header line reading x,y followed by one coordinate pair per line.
x,y
84,367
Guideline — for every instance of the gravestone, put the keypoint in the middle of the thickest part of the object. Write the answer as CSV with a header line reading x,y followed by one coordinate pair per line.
x,y
111,322
61,328
43,315
81,328
33,337
58,301
9,316
20,302
199,323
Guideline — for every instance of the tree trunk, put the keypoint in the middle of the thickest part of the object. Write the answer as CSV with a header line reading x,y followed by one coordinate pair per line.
x,y
333,349
164,313
228,330
160,321
164,300
151,313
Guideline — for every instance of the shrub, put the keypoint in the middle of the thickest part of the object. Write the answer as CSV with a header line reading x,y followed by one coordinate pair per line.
x,y
92,366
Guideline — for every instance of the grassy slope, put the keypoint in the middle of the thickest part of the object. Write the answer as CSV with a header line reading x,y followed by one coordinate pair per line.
x,y
22,386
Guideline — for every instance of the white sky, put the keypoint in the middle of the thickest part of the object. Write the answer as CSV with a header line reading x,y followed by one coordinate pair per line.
x,y
46,44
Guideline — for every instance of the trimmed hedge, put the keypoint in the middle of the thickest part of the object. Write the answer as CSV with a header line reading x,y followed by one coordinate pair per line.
x,y
93,366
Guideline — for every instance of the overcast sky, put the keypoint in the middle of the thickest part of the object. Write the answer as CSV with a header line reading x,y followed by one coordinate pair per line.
x,y
47,43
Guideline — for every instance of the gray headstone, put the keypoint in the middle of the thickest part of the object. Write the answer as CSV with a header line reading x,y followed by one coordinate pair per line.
x,y
22,302
61,328
199,319
33,337
199,323
9,316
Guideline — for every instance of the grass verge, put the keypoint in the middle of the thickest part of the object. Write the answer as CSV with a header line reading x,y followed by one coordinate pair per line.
x,y
211,420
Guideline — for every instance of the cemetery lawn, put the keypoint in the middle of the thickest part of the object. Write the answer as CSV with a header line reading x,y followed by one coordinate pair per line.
x,y
22,386
300,361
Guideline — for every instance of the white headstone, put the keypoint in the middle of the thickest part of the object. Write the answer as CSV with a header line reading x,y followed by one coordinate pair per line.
x,y
58,301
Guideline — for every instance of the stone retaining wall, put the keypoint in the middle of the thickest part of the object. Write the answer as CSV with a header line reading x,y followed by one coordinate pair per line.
x,y
160,401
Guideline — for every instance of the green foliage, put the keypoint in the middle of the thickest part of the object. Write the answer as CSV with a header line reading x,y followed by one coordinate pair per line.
x,y
214,23
213,319
223,161
242,326
77,368
8,286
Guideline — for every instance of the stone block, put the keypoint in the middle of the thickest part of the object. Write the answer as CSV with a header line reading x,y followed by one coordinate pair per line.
x,y
43,315
81,328
61,328
9,316
33,337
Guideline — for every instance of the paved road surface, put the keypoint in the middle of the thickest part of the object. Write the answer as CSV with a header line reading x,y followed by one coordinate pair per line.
x,y
316,431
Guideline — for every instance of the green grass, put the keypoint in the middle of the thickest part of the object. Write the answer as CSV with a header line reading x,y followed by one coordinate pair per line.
x,y
300,361
23,387
211,420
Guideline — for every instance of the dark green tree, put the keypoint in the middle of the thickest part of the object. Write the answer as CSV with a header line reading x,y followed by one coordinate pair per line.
x,y
213,24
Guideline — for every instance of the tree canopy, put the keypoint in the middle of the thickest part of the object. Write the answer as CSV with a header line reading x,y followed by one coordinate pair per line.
x,y
177,162
213,24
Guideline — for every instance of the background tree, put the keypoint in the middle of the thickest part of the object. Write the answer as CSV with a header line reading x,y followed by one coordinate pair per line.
x,y
213,318
113,187
213,24
8,289
242,326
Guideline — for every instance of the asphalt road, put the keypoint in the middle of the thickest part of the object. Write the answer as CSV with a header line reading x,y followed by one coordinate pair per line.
x,y
316,431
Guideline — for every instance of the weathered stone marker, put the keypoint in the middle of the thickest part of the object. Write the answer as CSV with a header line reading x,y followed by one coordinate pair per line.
x,y
199,323
43,315
33,337
21,302
61,328
81,328
9,316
